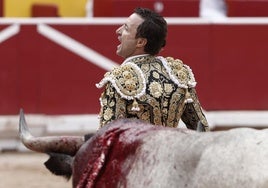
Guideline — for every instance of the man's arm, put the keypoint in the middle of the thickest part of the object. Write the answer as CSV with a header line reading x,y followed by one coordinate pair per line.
x,y
193,113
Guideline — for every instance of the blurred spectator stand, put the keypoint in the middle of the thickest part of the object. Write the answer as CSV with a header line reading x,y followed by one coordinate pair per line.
x,y
167,8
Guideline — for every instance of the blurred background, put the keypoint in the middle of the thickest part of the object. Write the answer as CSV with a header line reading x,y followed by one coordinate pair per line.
x,y
53,52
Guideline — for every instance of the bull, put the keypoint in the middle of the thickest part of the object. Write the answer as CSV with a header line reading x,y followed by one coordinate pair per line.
x,y
129,153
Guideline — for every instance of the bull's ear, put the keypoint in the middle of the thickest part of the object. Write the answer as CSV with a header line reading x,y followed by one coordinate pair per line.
x,y
60,164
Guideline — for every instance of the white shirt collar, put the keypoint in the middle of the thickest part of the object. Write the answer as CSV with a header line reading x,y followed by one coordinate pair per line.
x,y
135,56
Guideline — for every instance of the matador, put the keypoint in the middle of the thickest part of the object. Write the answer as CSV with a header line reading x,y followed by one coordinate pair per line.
x,y
155,89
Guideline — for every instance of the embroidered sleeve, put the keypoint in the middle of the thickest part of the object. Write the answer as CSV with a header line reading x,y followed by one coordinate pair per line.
x,y
193,113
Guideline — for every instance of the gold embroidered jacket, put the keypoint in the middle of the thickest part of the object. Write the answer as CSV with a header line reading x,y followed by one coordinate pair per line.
x,y
155,89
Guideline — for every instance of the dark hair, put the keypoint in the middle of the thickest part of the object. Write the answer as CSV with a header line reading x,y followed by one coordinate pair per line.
x,y
153,28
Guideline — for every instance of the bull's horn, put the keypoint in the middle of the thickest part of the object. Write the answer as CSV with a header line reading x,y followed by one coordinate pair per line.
x,y
62,144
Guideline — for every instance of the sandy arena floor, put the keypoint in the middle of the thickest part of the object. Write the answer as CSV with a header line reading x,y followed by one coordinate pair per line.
x,y
26,170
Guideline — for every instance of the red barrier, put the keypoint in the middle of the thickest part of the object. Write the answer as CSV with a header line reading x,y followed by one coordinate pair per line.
x,y
43,76
239,67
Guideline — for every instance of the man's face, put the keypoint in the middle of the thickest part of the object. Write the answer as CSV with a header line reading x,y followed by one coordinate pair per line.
x,y
126,35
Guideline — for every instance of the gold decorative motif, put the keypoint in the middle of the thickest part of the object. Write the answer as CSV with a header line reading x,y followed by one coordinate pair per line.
x,y
127,75
104,101
188,98
130,86
155,89
156,75
116,71
107,114
112,103
135,106
168,88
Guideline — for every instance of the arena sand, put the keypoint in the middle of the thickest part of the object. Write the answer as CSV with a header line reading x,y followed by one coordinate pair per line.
x,y
26,170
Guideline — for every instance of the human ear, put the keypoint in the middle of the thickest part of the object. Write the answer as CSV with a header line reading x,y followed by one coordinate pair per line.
x,y
141,42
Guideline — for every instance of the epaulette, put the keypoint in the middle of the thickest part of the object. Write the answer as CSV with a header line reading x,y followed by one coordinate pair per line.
x,y
127,79
180,73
